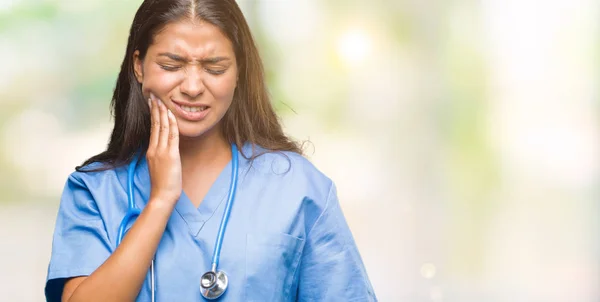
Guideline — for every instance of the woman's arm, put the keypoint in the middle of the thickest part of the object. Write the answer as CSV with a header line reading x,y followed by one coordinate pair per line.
x,y
122,275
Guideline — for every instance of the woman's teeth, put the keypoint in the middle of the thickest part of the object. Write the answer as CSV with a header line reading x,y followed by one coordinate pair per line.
x,y
193,109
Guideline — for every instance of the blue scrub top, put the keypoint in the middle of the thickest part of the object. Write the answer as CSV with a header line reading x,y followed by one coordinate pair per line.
x,y
286,240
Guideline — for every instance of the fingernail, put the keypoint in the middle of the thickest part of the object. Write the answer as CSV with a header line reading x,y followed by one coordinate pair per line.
x,y
160,103
152,97
170,113
149,103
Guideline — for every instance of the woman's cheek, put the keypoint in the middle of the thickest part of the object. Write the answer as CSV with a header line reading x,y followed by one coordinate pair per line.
x,y
161,83
224,87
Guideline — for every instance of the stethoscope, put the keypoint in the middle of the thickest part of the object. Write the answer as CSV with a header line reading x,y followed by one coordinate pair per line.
x,y
212,283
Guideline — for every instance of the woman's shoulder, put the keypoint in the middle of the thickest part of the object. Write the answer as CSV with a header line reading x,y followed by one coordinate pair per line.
x,y
88,187
289,165
94,173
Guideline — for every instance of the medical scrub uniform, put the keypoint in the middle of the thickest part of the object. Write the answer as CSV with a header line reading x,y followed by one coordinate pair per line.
x,y
286,239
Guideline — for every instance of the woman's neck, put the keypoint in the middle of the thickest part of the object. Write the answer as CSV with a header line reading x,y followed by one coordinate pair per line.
x,y
209,150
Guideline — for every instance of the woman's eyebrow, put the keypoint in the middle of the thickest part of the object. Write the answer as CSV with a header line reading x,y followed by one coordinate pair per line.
x,y
181,59
173,57
214,60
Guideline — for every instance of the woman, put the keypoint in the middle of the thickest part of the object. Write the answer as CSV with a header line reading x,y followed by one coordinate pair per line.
x,y
190,98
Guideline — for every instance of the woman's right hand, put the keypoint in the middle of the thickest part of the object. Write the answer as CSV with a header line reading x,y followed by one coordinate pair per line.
x,y
109,282
163,158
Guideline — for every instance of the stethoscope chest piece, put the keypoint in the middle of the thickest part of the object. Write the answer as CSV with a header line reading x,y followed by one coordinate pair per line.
x,y
213,284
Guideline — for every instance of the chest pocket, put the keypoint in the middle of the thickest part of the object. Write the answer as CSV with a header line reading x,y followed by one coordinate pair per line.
x,y
271,262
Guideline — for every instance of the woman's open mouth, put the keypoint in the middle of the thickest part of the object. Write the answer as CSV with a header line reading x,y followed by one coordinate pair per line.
x,y
191,112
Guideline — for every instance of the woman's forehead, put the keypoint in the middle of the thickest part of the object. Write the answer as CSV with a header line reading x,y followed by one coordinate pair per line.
x,y
195,40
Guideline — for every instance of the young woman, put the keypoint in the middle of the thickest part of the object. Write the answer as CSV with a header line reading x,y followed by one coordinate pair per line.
x,y
199,194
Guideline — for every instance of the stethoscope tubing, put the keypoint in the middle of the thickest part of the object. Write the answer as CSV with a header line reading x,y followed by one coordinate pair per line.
x,y
230,199
132,210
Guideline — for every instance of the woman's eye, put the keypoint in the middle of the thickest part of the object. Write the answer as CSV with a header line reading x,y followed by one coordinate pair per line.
x,y
215,71
169,68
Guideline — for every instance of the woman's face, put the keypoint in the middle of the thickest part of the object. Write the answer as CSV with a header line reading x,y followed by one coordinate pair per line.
x,y
191,68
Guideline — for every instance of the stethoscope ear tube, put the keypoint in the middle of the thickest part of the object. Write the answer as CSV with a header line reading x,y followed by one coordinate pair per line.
x,y
132,210
129,216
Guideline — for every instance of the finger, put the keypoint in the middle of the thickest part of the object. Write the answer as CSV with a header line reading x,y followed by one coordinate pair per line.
x,y
154,124
163,138
174,132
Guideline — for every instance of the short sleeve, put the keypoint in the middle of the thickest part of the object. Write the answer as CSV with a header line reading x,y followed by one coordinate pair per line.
x,y
331,268
80,243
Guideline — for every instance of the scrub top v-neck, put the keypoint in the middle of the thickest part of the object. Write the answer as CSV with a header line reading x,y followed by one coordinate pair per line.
x,y
286,240
195,218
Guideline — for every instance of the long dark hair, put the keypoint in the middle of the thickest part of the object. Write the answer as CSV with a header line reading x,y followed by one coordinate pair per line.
x,y
250,118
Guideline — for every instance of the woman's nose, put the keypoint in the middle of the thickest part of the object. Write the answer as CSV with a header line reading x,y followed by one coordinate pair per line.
x,y
192,84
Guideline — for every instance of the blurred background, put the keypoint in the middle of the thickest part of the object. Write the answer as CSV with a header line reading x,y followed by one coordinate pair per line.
x,y
463,135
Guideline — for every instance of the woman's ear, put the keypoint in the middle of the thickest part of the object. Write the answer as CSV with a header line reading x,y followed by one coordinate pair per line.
x,y
138,67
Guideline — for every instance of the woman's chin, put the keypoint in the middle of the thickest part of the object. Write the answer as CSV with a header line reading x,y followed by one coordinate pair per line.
x,y
186,133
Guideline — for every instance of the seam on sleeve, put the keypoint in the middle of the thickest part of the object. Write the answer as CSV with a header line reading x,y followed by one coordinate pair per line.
x,y
71,272
81,185
324,210
76,179
354,254
78,184
347,240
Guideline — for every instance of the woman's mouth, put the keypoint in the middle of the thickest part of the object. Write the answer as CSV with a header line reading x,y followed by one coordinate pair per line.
x,y
192,113
193,109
